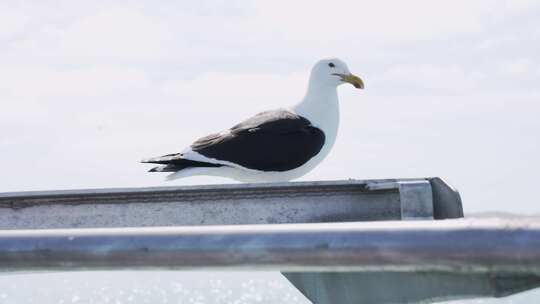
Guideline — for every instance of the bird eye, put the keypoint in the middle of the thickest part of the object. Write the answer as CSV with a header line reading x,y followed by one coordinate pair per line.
x,y
332,65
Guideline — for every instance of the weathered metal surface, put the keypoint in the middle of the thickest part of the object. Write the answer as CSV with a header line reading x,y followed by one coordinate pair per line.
x,y
388,287
300,202
459,246
446,200
416,200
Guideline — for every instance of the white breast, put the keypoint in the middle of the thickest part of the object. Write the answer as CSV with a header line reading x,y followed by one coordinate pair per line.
x,y
321,108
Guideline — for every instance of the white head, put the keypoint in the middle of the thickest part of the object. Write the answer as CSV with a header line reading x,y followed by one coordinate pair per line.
x,y
333,72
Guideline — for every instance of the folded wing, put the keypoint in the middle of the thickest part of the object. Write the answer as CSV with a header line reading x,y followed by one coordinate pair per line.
x,y
270,141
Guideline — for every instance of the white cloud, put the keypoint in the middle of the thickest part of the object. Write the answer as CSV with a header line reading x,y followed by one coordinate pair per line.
x,y
433,77
239,88
516,67
181,34
113,33
12,22
401,20
66,83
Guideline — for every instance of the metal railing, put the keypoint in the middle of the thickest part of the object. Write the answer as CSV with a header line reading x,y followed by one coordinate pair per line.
x,y
275,203
337,242
471,246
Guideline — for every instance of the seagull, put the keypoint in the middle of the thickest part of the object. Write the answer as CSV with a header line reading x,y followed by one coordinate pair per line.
x,y
272,146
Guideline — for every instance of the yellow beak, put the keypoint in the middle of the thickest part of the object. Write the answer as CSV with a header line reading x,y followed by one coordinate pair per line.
x,y
352,79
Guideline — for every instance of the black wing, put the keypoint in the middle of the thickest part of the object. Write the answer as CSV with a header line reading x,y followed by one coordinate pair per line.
x,y
270,141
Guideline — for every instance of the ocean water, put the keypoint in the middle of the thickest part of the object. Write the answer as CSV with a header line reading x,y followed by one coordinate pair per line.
x,y
148,287
160,287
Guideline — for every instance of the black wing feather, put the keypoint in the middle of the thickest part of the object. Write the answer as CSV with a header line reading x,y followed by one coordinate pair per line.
x,y
270,141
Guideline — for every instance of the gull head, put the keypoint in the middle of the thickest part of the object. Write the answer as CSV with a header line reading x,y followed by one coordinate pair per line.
x,y
333,72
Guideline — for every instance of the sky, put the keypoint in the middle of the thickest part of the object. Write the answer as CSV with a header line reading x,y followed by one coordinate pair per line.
x,y
87,89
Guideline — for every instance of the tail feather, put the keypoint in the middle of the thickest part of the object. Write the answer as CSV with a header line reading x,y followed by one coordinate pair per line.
x,y
163,160
166,168
175,163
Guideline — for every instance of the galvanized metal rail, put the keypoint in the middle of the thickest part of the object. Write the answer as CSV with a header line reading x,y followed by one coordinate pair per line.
x,y
470,246
275,203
